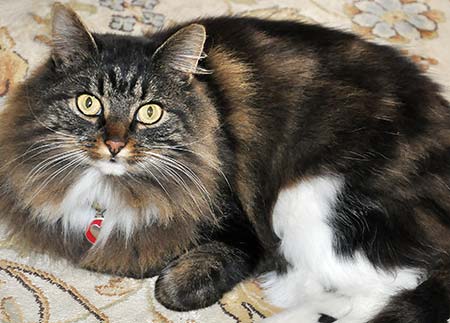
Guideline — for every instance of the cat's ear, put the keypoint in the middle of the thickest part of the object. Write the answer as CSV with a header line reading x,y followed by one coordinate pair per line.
x,y
183,50
72,42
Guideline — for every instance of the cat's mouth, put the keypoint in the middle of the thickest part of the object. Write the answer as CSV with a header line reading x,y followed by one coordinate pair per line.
x,y
111,167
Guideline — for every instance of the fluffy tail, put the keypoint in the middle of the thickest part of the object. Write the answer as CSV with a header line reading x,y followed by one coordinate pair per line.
x,y
428,303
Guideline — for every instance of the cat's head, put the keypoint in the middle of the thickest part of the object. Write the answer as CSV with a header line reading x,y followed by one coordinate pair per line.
x,y
127,107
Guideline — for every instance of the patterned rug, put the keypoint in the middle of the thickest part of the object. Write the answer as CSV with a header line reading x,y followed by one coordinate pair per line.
x,y
35,289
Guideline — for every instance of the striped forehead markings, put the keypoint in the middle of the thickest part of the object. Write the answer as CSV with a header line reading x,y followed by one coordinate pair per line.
x,y
129,81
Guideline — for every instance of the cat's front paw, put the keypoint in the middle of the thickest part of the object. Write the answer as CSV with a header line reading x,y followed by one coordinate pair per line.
x,y
185,286
200,277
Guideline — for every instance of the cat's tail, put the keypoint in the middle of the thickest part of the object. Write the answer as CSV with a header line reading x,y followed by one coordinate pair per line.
x,y
428,303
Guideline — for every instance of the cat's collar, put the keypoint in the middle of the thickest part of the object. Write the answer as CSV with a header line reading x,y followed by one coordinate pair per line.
x,y
93,228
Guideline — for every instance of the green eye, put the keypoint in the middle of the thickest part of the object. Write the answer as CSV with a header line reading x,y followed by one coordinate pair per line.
x,y
149,113
89,105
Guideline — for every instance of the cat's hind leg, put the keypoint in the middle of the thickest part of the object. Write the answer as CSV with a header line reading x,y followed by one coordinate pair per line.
x,y
313,310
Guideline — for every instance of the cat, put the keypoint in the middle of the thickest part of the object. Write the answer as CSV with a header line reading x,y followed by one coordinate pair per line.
x,y
227,148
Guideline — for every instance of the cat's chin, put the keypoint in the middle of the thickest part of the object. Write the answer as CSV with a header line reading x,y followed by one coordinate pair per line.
x,y
111,168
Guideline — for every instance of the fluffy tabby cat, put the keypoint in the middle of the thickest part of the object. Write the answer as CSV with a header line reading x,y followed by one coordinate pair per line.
x,y
230,147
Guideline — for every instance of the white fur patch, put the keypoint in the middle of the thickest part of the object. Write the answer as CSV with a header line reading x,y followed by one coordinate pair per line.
x,y
76,208
110,168
300,219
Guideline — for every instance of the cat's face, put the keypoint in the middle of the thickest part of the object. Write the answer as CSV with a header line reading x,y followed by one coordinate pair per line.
x,y
121,111
129,108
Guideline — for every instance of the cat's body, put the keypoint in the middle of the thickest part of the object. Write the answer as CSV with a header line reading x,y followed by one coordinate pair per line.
x,y
289,147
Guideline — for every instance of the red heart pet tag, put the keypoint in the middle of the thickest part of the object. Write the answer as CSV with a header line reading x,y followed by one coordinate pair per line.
x,y
93,230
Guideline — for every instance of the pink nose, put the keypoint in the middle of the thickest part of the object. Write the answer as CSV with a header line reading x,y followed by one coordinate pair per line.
x,y
114,146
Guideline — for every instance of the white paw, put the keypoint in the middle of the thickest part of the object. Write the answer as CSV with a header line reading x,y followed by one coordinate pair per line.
x,y
295,315
331,304
291,290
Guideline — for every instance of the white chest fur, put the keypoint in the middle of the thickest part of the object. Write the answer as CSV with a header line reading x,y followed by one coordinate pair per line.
x,y
301,219
93,186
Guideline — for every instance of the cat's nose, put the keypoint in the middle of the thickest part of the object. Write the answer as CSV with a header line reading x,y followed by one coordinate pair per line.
x,y
115,146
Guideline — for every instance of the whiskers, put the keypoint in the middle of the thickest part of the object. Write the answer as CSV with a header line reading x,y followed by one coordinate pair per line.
x,y
73,162
54,157
183,148
165,169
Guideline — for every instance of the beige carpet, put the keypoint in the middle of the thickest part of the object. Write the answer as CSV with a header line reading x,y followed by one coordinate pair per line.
x,y
34,289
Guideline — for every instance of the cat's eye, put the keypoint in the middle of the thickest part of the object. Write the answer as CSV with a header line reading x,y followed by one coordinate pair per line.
x,y
89,105
149,113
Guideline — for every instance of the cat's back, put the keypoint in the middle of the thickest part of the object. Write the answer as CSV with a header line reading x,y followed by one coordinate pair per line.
x,y
291,62
308,87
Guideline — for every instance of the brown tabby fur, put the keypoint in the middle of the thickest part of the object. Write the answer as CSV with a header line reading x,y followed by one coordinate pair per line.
x,y
262,106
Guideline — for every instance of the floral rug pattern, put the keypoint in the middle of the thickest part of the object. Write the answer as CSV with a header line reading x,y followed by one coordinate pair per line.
x,y
35,289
